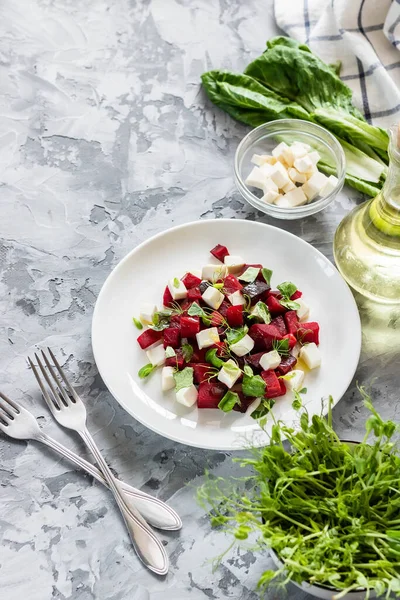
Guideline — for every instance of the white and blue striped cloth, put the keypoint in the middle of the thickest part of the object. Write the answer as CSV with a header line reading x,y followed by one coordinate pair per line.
x,y
364,35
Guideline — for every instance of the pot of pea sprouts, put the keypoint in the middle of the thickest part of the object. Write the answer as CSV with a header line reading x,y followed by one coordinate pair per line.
x,y
326,509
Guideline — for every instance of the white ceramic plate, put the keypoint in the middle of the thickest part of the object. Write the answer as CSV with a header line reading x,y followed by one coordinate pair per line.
x,y
141,277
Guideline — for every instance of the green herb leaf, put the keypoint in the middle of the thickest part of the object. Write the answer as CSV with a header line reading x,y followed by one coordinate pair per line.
x,y
196,311
176,282
183,379
169,352
263,409
146,371
235,335
267,274
253,385
218,286
229,401
248,370
287,289
288,376
187,352
161,319
290,304
261,313
213,359
137,323
250,274
297,403
281,346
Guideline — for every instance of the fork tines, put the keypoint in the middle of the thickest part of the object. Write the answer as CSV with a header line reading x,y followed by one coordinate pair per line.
x,y
61,390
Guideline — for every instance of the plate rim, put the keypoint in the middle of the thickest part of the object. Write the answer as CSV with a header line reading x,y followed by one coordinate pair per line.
x,y
345,288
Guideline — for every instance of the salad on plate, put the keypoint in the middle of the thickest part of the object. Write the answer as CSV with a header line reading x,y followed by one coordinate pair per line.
x,y
224,339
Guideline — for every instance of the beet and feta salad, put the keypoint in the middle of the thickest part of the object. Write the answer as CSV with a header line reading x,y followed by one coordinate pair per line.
x,y
224,338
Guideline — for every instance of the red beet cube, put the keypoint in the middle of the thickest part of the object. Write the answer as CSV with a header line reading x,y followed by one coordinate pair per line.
x,y
167,297
287,364
175,321
221,348
297,294
198,356
194,294
256,290
176,361
292,321
273,389
149,337
283,386
279,323
216,319
308,333
264,336
245,401
210,394
191,281
220,252
292,340
201,372
189,326
275,307
234,316
172,337
231,284
254,360
186,304
223,309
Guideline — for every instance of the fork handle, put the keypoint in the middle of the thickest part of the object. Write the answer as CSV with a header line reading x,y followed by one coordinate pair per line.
x,y
147,545
154,510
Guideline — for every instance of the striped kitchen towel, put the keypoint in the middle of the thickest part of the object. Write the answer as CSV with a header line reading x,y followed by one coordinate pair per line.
x,y
364,35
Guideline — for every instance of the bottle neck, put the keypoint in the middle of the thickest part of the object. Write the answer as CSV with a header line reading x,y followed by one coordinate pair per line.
x,y
391,188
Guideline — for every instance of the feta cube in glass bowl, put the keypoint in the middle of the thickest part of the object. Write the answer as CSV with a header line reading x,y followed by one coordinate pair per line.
x,y
290,168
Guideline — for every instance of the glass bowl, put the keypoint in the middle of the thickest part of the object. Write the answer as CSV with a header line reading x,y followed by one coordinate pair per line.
x,y
263,140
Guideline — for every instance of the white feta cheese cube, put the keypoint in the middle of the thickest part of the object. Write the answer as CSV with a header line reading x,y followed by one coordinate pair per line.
x,y
296,177
296,350
187,396
259,159
167,379
303,164
243,346
329,186
147,313
270,197
207,337
267,169
256,178
196,273
314,185
296,197
270,185
237,298
288,157
278,151
156,355
299,149
279,175
214,272
314,156
234,263
229,374
282,202
303,311
177,288
270,360
310,354
213,297
288,187
295,381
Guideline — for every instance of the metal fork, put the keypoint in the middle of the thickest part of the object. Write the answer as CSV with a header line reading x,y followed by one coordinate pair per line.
x,y
69,410
20,424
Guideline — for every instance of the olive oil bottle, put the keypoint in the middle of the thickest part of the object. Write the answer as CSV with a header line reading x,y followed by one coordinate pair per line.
x,y
367,241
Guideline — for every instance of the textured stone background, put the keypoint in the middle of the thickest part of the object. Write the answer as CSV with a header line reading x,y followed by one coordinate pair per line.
x,y
106,139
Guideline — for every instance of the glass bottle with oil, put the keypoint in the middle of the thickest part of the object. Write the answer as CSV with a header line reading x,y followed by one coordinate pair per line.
x,y
367,241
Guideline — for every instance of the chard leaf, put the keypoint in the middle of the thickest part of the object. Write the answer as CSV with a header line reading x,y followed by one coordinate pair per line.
x,y
267,274
169,352
187,352
287,289
213,359
290,304
183,379
229,401
235,335
250,274
263,409
261,312
253,385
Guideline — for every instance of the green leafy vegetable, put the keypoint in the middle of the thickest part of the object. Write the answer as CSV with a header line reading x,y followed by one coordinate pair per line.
x,y
267,274
213,359
218,286
137,323
263,408
183,379
162,318
196,311
250,274
287,289
281,346
187,352
229,401
289,81
290,304
261,312
235,335
253,385
328,509
176,282
146,371
169,352
248,370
